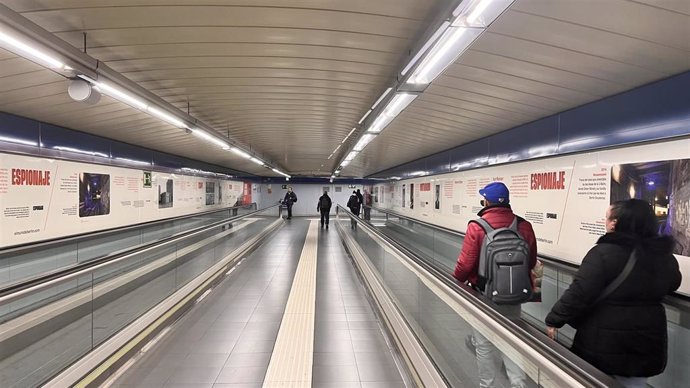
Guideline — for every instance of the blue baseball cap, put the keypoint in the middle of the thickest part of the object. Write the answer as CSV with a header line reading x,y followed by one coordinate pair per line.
x,y
496,192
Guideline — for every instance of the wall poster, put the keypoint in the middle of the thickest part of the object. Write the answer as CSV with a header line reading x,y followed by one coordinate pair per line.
x,y
566,197
43,198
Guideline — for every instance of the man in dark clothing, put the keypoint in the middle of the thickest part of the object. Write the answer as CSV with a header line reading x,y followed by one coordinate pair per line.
x,y
498,214
354,205
360,198
367,205
290,198
324,207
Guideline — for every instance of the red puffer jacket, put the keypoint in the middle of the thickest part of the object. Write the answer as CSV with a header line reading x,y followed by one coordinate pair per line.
x,y
498,216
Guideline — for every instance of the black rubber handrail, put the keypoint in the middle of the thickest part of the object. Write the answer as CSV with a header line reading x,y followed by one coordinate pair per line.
x,y
43,244
534,338
675,299
65,272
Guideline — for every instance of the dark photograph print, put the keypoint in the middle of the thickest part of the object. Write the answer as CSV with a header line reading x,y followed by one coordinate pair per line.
x,y
210,193
666,186
165,194
94,194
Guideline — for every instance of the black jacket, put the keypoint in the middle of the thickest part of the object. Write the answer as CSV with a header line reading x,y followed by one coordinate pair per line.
x,y
290,198
324,203
353,204
625,333
360,197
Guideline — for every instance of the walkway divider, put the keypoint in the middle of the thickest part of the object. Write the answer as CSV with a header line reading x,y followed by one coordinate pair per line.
x,y
293,355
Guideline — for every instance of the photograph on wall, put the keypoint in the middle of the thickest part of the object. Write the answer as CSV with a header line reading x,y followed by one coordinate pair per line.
x,y
94,194
665,185
437,197
403,195
220,193
210,193
411,195
376,194
165,194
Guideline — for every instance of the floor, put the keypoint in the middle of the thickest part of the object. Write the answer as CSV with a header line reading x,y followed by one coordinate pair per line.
x,y
227,340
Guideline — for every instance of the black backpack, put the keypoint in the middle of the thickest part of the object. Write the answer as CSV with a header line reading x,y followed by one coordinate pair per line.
x,y
324,202
504,271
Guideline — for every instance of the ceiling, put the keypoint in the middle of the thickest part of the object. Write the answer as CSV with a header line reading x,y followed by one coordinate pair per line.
x,y
290,79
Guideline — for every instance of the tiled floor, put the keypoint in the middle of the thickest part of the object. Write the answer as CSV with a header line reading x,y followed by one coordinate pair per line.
x,y
227,340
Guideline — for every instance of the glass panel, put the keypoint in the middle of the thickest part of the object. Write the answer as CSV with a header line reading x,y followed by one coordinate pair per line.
x,y
449,334
44,332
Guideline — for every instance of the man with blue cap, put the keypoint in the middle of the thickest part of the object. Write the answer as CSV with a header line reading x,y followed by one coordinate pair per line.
x,y
497,213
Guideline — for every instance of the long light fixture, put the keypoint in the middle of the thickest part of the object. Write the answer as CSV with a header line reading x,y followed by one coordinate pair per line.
x,y
364,117
346,137
381,98
168,118
470,19
239,152
363,142
425,47
281,173
396,105
345,163
209,138
31,53
351,156
257,161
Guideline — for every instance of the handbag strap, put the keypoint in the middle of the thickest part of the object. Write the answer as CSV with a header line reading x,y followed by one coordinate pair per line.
x,y
620,278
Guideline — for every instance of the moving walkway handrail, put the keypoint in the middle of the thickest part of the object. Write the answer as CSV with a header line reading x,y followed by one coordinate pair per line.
x,y
677,300
37,284
550,259
43,244
535,339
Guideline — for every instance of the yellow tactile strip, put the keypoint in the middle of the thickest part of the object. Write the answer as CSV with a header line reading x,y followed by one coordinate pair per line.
x,y
293,354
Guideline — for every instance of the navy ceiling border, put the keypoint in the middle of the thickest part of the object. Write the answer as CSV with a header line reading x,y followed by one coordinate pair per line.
x,y
659,110
31,137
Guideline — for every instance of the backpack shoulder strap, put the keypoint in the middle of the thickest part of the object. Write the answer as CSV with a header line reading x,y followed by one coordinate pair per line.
x,y
619,279
484,224
514,225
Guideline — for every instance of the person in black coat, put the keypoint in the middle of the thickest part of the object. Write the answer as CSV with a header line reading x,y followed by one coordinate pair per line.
x,y
624,334
354,205
324,207
289,200
360,198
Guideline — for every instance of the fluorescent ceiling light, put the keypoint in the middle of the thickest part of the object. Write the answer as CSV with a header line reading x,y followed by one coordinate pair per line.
x,y
31,53
346,137
333,176
364,117
381,98
337,148
479,13
116,93
170,119
257,161
344,163
426,46
80,151
212,139
396,105
240,152
281,173
363,142
10,139
351,155
452,43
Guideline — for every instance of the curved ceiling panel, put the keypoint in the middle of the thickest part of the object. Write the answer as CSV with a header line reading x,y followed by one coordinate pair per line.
x,y
290,79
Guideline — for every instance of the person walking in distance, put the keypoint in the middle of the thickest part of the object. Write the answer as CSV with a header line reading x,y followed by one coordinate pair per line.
x,y
360,198
508,289
324,207
354,206
289,200
615,299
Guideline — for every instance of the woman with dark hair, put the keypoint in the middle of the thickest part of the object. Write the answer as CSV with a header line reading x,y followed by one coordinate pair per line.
x,y
623,331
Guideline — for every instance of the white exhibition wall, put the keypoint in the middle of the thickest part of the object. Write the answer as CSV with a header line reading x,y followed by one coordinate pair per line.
x,y
44,198
565,198
308,195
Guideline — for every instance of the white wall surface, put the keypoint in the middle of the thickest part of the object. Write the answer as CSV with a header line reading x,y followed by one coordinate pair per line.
x,y
307,196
